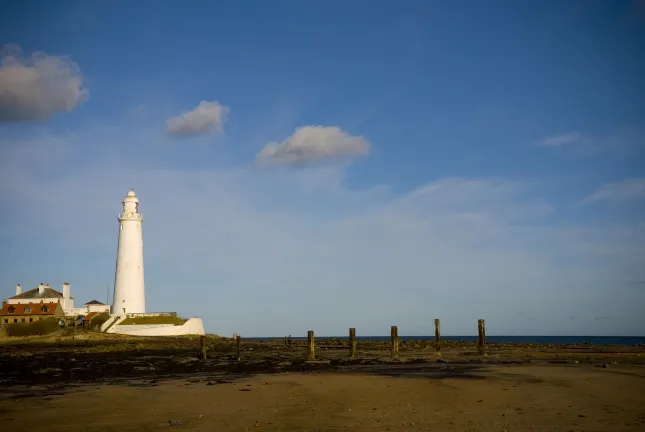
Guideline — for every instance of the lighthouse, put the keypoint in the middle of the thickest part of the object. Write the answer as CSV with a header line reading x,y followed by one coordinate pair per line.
x,y
129,291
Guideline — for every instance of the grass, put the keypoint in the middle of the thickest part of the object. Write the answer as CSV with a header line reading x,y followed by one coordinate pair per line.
x,y
148,320
36,328
97,321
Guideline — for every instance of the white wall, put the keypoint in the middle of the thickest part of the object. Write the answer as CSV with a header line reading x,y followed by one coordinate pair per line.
x,y
98,308
33,301
193,326
74,312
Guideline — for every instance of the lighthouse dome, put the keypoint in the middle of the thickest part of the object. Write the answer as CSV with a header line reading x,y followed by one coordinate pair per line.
x,y
131,205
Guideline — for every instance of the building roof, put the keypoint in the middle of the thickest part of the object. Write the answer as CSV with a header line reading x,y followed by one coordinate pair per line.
x,y
35,294
94,302
34,309
89,316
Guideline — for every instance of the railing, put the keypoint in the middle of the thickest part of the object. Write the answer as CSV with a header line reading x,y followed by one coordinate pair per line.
x,y
136,315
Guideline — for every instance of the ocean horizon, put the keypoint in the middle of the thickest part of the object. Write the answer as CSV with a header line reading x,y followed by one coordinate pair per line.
x,y
563,340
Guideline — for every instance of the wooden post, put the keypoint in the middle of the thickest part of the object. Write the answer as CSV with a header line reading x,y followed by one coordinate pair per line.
x,y
238,340
482,336
310,340
395,341
352,343
437,334
202,345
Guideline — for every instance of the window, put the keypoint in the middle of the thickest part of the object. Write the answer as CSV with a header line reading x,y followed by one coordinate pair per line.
x,y
31,320
22,320
15,320
45,309
12,309
6,321
28,309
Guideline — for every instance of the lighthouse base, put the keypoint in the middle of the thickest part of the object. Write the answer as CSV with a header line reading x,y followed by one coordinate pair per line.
x,y
153,324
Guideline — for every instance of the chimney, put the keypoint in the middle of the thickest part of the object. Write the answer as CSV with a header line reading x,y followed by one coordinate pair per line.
x,y
18,289
66,294
41,288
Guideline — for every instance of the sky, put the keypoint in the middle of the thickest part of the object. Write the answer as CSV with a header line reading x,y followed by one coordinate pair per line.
x,y
320,165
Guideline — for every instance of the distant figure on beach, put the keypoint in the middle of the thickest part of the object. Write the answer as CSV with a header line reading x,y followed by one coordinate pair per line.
x,y
289,340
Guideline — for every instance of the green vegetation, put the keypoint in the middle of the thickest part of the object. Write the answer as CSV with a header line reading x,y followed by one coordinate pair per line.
x,y
148,320
36,328
98,320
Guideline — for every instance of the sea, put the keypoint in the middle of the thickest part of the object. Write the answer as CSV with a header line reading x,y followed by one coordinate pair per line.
x,y
565,340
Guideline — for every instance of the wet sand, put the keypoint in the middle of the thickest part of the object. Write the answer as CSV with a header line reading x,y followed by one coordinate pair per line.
x,y
425,398
123,384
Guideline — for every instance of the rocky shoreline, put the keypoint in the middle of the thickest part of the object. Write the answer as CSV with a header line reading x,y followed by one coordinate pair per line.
x,y
64,361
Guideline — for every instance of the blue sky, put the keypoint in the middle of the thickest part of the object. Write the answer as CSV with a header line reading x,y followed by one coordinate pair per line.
x,y
325,165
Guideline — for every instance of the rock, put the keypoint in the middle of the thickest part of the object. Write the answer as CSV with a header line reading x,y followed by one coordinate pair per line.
x,y
182,360
47,370
174,422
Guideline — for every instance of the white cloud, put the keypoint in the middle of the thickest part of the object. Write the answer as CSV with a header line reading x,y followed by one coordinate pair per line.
x,y
313,143
34,88
274,252
625,190
205,118
561,139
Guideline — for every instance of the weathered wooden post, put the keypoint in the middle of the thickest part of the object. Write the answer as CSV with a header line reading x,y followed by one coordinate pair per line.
x,y
311,346
238,340
352,343
202,346
395,341
437,335
482,336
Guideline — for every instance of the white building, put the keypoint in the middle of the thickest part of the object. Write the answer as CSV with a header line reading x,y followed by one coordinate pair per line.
x,y
96,306
46,294
129,291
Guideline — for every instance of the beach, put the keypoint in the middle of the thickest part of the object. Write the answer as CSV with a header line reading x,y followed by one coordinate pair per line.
x,y
141,384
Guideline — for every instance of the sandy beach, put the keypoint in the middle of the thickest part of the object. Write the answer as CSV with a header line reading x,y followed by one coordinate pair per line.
x,y
457,391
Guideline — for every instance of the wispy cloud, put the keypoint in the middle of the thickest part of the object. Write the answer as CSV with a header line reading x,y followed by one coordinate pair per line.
x,y
625,190
313,143
562,139
622,141
36,87
207,117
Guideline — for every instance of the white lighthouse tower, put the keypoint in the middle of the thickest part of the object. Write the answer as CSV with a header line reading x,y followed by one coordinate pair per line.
x,y
129,292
